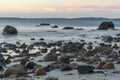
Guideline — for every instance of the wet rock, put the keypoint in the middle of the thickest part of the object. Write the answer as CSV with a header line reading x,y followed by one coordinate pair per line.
x,y
50,57
16,51
40,44
23,46
44,24
106,25
32,39
117,34
10,46
83,69
118,62
115,46
15,70
68,28
4,50
63,59
40,71
71,47
55,26
89,47
9,30
108,65
101,64
117,39
107,38
24,52
94,60
44,50
66,67
53,50
2,58
51,78
31,65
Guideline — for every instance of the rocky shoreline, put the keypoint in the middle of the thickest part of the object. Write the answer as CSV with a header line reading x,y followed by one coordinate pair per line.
x,y
24,61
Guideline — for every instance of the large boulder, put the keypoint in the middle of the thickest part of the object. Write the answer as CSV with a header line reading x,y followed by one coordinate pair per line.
x,y
106,25
9,30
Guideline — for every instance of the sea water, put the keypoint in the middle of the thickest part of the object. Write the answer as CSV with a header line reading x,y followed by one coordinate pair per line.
x,y
27,29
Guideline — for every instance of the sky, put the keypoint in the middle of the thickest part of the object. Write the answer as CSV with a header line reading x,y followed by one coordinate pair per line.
x,y
60,8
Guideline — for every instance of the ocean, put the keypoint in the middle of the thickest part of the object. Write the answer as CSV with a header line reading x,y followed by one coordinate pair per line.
x,y
27,28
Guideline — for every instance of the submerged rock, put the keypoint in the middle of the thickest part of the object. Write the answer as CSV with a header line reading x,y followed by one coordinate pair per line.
x,y
44,24
55,26
9,30
106,25
67,28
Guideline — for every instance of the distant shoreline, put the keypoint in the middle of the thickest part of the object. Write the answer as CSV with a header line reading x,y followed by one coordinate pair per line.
x,y
81,18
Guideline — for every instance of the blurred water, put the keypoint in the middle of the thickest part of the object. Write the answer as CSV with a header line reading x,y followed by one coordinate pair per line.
x,y
27,29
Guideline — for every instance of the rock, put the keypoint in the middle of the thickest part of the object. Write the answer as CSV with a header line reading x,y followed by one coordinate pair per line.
x,y
40,71
24,52
2,58
31,65
89,47
108,65
32,39
55,26
44,24
66,67
63,59
118,62
79,29
44,50
51,78
10,46
106,25
115,46
14,70
23,46
68,28
101,64
94,60
50,57
82,69
18,66
71,47
4,50
9,30
117,39
53,50
108,38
